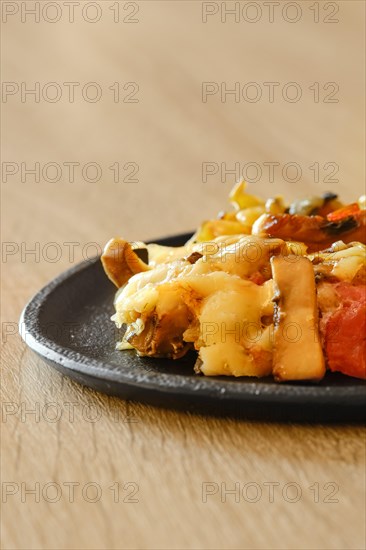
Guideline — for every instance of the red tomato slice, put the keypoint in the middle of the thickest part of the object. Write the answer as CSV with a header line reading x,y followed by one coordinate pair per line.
x,y
345,332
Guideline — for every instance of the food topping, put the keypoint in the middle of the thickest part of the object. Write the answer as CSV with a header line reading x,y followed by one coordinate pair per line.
x,y
264,289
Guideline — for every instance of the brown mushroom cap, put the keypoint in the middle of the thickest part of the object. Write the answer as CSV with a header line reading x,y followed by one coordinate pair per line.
x,y
120,261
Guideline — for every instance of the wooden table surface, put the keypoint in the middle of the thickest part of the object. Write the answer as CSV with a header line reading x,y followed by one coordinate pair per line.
x,y
152,98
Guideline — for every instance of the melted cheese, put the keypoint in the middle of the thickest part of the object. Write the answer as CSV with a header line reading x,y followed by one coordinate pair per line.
x,y
225,325
230,326
213,306
344,260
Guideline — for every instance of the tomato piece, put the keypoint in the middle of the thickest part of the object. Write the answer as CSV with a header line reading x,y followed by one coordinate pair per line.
x,y
344,212
350,293
345,332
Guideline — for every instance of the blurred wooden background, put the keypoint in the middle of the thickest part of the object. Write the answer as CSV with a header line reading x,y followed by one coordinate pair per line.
x,y
160,54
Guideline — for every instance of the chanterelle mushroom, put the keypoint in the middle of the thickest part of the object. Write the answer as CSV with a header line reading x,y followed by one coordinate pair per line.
x,y
120,261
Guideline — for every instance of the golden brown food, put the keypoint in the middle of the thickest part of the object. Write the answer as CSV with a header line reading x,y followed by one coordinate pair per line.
x,y
250,303
297,351
316,232
120,261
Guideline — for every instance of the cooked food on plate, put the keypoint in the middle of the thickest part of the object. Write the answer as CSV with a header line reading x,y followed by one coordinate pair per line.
x,y
264,289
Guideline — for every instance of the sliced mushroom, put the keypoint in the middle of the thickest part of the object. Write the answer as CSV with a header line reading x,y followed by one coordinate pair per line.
x,y
297,352
120,261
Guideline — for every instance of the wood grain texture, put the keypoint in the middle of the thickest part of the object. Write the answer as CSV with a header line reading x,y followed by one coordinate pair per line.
x,y
81,437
